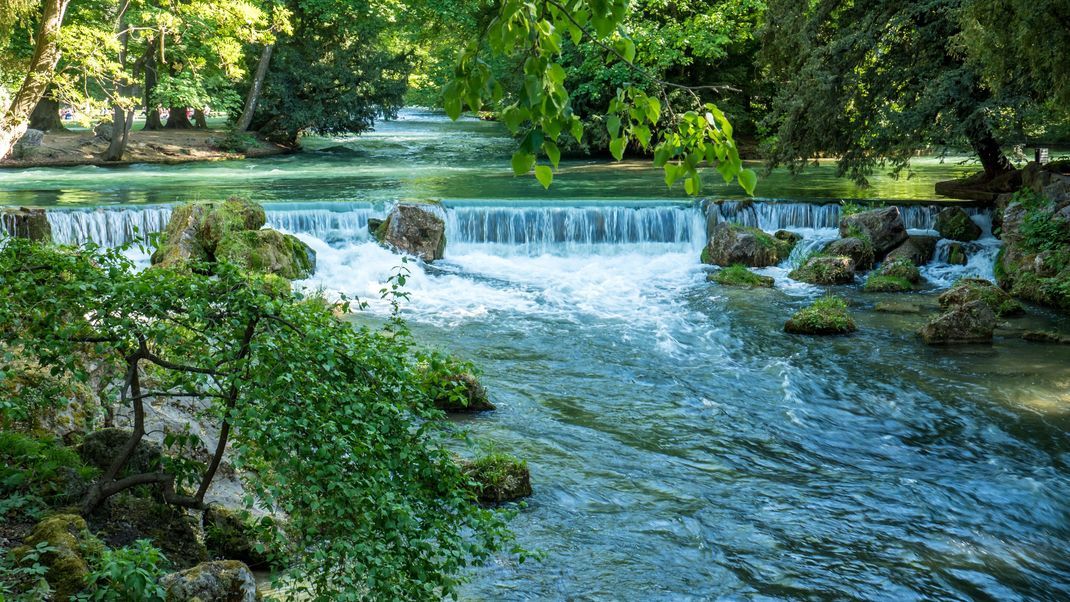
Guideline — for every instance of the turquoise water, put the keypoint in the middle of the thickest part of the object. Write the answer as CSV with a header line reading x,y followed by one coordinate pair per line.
x,y
682,447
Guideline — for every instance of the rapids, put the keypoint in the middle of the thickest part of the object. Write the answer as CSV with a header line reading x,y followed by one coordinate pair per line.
x,y
682,446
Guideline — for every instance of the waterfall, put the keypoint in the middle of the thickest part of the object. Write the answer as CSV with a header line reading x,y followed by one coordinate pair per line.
x,y
777,215
106,226
329,222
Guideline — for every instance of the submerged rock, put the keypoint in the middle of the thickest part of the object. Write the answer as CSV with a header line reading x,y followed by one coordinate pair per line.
x,y
972,322
954,223
919,250
268,252
498,478
731,244
826,316
968,290
24,222
415,228
217,581
1044,336
825,270
897,307
858,249
956,254
883,227
69,545
738,275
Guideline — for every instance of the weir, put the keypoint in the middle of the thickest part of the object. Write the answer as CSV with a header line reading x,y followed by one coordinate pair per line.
x,y
531,228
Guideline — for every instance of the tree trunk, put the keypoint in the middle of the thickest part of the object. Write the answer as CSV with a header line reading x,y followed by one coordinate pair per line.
x,y
122,119
988,150
178,119
152,112
46,53
45,116
253,97
199,120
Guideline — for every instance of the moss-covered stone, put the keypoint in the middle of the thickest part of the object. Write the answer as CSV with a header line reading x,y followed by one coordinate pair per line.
x,y
897,307
731,244
826,316
738,275
125,518
217,581
196,229
972,322
498,478
228,534
454,388
825,270
27,223
71,545
956,254
894,276
858,248
954,223
887,284
967,290
268,252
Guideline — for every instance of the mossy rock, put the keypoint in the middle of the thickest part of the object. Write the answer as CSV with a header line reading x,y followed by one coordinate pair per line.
x,y
26,223
954,223
216,581
731,244
897,307
858,248
229,534
196,229
897,275
826,316
825,270
124,519
1046,336
498,478
738,275
456,391
972,322
268,252
956,254
887,284
967,290
71,546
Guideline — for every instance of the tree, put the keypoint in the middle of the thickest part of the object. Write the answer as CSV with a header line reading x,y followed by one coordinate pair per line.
x,y
330,424
873,83
42,65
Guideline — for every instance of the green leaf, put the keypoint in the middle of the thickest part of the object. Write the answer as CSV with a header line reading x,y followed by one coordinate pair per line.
x,y
576,129
653,110
613,125
553,153
748,180
544,175
625,48
522,162
672,172
616,148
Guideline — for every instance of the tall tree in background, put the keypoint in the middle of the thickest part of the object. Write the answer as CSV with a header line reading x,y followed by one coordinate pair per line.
x,y
875,82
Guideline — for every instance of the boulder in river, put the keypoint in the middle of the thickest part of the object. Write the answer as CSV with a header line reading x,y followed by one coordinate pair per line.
x,y
731,244
457,392
883,227
826,316
972,322
968,290
498,478
825,270
896,275
738,275
956,254
954,223
268,252
918,249
858,249
24,222
219,581
415,228
195,229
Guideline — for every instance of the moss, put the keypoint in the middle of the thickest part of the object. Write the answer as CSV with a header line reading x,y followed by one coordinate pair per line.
x,y
828,315
901,268
887,284
268,252
738,275
825,270
126,518
498,478
228,534
70,544
705,256
195,230
956,255
973,289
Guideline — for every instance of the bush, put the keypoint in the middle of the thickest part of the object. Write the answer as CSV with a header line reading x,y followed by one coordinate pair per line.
x,y
127,574
236,142
37,473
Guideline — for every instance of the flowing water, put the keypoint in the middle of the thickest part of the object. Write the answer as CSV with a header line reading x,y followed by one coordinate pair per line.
x,y
682,447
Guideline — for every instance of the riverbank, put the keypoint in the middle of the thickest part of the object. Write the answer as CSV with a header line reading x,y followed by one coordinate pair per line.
x,y
166,147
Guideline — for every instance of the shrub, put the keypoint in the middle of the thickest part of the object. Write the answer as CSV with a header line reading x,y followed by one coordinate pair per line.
x,y
127,574
236,142
38,472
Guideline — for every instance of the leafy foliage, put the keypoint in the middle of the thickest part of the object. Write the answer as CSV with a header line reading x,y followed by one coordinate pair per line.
x,y
127,574
329,423
24,579
38,473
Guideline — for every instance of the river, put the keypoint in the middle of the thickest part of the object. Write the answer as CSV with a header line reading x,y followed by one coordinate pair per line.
x,y
682,447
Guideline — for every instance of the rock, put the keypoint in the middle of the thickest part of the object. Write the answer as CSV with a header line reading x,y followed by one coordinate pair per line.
x,y
28,145
968,290
268,252
99,448
825,270
73,405
918,249
896,275
731,244
887,284
897,307
126,518
858,249
195,230
826,316
738,275
498,478
884,228
1034,263
415,228
789,237
26,223
954,223
228,535
217,581
103,131
71,543
956,254
1043,336
373,224
456,392
972,322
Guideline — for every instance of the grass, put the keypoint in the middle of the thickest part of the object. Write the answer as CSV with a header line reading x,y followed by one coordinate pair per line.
x,y
827,315
887,284
739,275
